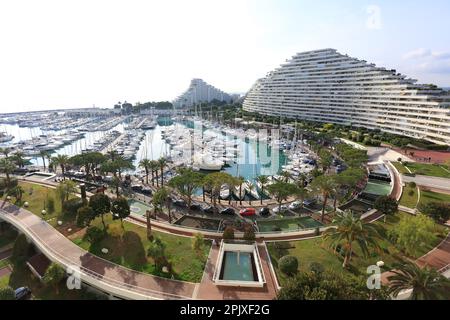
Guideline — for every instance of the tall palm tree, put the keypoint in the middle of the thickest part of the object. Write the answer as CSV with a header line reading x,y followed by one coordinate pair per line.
x,y
162,164
145,164
7,167
5,152
426,283
350,229
154,166
62,160
286,176
251,187
44,155
325,186
19,159
239,182
263,180
112,154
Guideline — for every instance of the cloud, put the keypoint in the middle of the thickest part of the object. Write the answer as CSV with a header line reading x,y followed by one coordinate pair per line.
x,y
417,54
374,21
428,61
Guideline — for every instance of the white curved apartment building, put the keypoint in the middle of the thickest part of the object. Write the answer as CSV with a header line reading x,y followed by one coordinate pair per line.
x,y
329,87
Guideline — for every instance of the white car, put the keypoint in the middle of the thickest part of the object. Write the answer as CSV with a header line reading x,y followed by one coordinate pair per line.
x,y
276,210
295,205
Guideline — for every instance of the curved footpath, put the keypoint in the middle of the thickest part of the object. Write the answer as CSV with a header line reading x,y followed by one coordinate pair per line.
x,y
100,273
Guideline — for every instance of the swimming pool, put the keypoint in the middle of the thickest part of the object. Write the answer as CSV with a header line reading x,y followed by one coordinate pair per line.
x,y
238,266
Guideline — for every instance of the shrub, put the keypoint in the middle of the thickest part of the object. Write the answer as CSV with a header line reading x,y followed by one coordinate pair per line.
x,y
228,234
51,205
84,216
7,293
411,193
316,267
94,234
436,210
412,185
20,250
249,233
288,265
70,207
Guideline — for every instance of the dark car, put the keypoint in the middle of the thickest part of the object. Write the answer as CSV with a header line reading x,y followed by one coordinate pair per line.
x,y
136,188
207,209
179,202
195,207
146,191
228,211
22,293
264,212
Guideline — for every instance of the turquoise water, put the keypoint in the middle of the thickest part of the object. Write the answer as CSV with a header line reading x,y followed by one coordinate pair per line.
x,y
257,158
238,268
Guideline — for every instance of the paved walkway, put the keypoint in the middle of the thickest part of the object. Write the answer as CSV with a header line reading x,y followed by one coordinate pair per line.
x,y
208,290
94,270
429,182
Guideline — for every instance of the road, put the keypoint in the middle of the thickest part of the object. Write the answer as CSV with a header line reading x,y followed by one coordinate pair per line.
x,y
430,182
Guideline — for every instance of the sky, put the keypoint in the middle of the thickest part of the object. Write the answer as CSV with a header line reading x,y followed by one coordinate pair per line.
x,y
75,54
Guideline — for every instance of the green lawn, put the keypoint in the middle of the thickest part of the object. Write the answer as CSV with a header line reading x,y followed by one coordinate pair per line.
x,y
23,277
400,167
129,248
429,196
315,250
408,200
429,170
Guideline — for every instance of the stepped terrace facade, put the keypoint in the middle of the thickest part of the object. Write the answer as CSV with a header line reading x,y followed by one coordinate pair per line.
x,y
329,87
199,91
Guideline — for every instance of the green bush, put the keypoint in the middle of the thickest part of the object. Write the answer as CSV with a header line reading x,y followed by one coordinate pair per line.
x,y
94,234
84,216
288,265
411,193
70,207
228,234
51,205
249,233
20,250
316,267
7,293
412,185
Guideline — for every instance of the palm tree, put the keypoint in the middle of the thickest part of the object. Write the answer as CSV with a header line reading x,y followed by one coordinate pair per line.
x,y
112,154
349,229
154,166
239,182
5,152
7,167
44,155
286,176
146,164
263,180
62,160
426,283
19,159
325,186
251,187
162,164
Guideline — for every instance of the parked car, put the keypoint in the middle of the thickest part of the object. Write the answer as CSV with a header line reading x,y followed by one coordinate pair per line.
x,y
146,191
309,202
277,210
22,293
207,209
295,205
136,187
179,202
228,211
195,207
264,212
249,212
